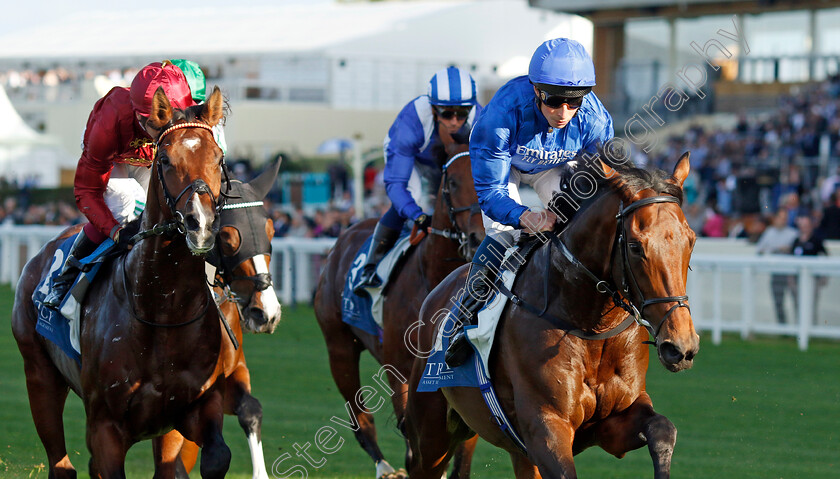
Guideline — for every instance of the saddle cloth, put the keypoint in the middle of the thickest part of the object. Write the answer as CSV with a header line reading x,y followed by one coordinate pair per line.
x,y
62,327
365,312
438,374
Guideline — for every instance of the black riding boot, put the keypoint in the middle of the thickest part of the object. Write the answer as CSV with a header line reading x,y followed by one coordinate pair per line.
x,y
479,284
382,242
81,248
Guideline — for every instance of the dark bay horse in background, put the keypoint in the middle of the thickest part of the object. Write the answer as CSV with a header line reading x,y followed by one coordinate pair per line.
x,y
150,335
456,211
243,281
563,393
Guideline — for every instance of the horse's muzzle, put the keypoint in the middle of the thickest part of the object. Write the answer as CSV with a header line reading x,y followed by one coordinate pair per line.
x,y
676,356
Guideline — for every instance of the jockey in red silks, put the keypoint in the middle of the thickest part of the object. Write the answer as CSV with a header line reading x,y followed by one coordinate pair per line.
x,y
116,133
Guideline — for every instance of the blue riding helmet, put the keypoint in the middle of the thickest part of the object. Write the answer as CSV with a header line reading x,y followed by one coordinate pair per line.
x,y
562,62
452,87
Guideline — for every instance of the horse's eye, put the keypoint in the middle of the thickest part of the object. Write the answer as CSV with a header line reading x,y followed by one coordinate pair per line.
x,y
164,160
635,248
453,184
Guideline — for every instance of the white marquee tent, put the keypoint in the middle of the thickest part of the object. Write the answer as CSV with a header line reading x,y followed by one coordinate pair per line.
x,y
27,156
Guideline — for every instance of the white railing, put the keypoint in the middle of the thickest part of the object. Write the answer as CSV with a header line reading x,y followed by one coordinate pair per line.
x,y
740,302
728,292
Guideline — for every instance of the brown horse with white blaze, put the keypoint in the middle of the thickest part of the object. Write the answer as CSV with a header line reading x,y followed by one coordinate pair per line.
x,y
456,232
562,385
150,335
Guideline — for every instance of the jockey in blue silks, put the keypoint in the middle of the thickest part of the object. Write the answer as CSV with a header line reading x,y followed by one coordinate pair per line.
x,y
529,132
411,152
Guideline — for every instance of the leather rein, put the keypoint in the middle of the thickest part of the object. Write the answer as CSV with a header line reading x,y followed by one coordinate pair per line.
x,y
628,279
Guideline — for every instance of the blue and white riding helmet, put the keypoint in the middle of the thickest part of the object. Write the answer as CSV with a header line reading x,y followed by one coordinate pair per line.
x,y
562,67
452,87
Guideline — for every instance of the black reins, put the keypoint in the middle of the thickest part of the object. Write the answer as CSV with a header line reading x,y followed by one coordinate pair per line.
x,y
605,287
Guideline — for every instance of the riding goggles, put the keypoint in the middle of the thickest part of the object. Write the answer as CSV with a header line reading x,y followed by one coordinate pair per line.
x,y
556,101
447,113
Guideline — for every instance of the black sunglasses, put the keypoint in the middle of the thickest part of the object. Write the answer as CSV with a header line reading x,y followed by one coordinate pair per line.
x,y
449,113
556,101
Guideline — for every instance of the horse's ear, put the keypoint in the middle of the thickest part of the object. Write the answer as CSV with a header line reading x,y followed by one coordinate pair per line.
x,y
263,183
607,170
212,111
161,113
681,170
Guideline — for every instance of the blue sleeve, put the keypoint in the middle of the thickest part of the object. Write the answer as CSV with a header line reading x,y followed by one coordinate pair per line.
x,y
601,133
404,141
491,163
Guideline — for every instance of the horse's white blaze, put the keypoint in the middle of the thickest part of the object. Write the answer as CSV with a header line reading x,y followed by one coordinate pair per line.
x,y
257,459
192,143
268,297
204,221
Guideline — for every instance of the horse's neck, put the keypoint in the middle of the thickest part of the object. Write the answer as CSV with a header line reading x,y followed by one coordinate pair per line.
x,y
161,270
590,239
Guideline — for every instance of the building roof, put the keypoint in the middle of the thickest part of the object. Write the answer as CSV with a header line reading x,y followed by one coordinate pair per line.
x,y
460,28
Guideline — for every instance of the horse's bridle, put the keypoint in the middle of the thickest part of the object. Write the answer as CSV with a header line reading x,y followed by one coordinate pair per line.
x,y
176,224
628,279
627,271
455,234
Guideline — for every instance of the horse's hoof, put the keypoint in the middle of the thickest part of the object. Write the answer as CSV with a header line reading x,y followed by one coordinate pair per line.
x,y
399,474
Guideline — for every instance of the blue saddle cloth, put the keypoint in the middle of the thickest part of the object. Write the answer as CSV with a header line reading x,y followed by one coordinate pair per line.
x,y
358,310
51,324
438,374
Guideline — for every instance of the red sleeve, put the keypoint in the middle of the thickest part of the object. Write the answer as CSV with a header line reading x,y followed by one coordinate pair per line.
x,y
101,144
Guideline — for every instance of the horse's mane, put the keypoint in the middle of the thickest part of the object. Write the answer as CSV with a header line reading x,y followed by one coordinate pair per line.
x,y
628,181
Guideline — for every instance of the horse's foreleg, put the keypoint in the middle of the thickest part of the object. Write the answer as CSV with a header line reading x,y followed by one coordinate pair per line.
x,y
431,439
548,438
522,467
203,426
249,412
633,428
107,444
47,395
344,354
166,451
462,461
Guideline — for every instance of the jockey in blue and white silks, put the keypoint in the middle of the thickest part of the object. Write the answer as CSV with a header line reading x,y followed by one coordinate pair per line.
x,y
529,133
411,152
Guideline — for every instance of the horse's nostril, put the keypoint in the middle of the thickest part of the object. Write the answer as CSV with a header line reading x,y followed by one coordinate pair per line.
x,y
191,222
670,353
258,315
689,356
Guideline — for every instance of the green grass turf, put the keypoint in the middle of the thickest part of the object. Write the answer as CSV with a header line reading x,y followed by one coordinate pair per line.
x,y
758,409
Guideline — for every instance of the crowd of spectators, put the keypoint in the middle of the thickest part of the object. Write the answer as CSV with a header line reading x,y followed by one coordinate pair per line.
x,y
742,176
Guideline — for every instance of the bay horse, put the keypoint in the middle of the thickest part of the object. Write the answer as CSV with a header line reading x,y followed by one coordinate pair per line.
x,y
242,258
457,231
562,387
150,335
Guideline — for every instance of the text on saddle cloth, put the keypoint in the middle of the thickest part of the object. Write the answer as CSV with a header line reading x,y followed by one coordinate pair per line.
x,y
365,312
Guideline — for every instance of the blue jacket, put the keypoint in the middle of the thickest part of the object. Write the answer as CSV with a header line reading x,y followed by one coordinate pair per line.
x,y
412,137
512,132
